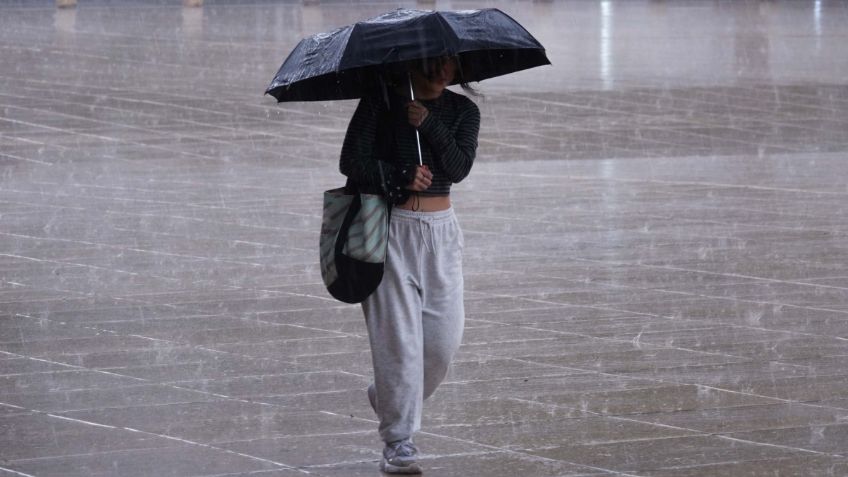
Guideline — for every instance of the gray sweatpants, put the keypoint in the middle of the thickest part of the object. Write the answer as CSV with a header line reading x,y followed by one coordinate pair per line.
x,y
415,317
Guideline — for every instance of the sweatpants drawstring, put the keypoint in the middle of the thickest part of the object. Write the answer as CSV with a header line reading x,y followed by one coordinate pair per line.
x,y
426,222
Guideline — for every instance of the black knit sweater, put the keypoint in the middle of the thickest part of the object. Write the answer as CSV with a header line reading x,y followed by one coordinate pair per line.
x,y
380,151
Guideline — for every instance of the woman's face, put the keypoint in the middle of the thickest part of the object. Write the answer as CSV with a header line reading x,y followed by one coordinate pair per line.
x,y
443,72
438,73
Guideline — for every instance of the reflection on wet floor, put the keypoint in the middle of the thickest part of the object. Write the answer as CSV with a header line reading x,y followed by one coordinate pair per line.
x,y
655,247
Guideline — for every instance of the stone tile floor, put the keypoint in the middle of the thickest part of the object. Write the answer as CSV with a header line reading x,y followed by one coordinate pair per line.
x,y
656,251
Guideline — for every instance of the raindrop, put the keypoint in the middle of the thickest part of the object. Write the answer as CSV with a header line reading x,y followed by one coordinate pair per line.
x,y
753,317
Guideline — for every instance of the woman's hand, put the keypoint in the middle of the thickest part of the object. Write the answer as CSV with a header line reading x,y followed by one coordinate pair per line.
x,y
416,113
423,179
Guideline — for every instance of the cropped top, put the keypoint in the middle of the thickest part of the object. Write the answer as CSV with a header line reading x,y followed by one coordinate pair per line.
x,y
380,150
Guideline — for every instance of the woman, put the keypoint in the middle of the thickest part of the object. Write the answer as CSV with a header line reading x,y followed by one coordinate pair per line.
x,y
415,317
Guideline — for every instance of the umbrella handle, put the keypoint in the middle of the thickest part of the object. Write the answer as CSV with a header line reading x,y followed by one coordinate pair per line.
x,y
417,137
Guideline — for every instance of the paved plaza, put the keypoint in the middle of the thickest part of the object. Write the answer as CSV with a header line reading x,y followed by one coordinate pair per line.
x,y
656,254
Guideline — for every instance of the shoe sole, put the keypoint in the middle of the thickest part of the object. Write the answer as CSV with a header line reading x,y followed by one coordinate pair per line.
x,y
414,468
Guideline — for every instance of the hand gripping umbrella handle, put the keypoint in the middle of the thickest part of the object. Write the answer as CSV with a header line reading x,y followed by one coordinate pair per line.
x,y
417,137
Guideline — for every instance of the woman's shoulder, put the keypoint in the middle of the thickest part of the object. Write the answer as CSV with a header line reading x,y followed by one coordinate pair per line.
x,y
458,97
461,102
374,103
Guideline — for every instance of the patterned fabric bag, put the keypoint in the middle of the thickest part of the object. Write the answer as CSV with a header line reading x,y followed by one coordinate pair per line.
x,y
353,243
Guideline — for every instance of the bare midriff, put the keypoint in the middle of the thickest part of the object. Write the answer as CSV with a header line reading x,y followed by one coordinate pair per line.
x,y
426,203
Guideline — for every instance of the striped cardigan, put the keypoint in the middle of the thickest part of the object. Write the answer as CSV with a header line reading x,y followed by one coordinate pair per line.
x,y
380,151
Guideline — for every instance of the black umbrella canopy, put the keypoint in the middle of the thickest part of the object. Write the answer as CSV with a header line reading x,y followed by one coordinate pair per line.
x,y
345,63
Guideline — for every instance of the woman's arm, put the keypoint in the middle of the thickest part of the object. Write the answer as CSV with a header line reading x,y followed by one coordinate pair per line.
x,y
455,152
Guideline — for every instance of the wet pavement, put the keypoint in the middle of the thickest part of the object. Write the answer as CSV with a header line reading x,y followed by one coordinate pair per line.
x,y
656,248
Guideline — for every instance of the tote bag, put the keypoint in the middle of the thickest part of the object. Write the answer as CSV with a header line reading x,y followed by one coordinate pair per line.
x,y
353,243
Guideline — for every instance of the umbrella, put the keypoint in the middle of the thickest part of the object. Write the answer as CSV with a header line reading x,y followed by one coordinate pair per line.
x,y
346,62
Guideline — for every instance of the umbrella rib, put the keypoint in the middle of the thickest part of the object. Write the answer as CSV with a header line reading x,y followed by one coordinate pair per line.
x,y
447,32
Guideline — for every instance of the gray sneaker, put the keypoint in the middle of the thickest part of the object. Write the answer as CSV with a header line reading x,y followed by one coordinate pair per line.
x,y
399,457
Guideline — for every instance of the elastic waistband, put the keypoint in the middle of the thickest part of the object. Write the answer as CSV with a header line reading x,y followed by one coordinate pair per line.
x,y
436,216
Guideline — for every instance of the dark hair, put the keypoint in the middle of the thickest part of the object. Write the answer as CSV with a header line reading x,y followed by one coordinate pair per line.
x,y
429,66
470,90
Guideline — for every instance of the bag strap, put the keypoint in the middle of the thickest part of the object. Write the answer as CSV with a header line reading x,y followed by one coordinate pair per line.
x,y
389,204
